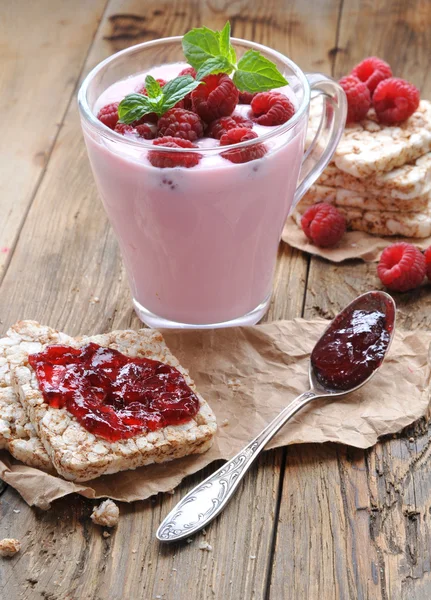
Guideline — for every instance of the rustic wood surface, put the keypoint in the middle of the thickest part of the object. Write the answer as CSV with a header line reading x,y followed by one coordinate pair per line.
x,y
309,522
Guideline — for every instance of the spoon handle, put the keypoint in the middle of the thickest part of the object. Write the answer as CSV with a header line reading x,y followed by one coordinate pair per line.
x,y
202,504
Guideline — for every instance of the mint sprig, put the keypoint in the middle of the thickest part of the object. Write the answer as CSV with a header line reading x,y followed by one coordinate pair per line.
x,y
211,52
159,99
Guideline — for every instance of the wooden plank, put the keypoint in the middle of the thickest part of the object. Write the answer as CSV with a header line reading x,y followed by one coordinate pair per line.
x,y
318,553
77,261
396,473
397,31
371,520
44,45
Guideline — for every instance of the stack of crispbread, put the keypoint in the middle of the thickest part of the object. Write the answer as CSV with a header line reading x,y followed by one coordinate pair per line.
x,y
52,439
380,176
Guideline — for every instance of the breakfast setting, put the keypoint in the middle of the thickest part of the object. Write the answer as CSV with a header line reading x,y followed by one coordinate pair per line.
x,y
215,261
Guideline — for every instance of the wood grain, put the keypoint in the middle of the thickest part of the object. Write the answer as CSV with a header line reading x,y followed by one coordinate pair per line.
x,y
43,48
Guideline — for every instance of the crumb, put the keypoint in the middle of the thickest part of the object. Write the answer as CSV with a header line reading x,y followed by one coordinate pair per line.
x,y
189,540
204,532
94,300
224,423
43,504
16,511
252,557
205,546
411,440
9,547
173,569
106,514
234,383
106,534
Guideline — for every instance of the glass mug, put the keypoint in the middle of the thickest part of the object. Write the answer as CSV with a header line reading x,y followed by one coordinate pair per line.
x,y
200,244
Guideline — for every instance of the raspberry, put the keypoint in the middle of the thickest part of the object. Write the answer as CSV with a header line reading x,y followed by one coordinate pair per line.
x,y
165,160
358,98
220,126
323,224
180,123
188,71
148,118
246,97
143,90
372,71
395,100
109,115
241,155
124,129
215,98
427,255
271,108
402,267
145,131
186,102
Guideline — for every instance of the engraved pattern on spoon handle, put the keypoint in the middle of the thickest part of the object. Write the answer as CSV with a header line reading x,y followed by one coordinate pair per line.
x,y
202,504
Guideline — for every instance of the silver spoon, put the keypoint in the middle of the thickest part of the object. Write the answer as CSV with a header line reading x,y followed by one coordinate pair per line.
x,y
202,504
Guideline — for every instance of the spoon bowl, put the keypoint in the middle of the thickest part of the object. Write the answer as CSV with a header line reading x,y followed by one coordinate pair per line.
x,y
348,354
372,331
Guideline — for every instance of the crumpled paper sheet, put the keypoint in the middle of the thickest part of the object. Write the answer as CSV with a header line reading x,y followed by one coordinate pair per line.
x,y
354,244
248,374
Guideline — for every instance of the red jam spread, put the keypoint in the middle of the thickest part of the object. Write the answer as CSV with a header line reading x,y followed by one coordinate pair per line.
x,y
355,343
112,395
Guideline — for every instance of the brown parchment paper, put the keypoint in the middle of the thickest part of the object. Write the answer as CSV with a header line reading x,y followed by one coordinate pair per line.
x,y
248,375
354,244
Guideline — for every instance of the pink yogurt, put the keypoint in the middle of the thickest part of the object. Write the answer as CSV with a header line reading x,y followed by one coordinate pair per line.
x,y
199,244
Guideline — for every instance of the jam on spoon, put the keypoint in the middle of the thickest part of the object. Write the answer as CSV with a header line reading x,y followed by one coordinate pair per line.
x,y
355,343
112,395
347,355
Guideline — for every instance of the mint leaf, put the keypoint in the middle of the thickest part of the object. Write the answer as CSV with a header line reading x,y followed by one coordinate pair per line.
x,y
224,40
226,49
199,45
152,86
210,51
214,65
133,107
255,73
176,89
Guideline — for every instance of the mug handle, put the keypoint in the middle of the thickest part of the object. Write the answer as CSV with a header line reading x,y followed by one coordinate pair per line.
x,y
328,134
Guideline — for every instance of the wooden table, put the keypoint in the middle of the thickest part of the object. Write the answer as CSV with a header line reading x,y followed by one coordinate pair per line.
x,y
309,522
